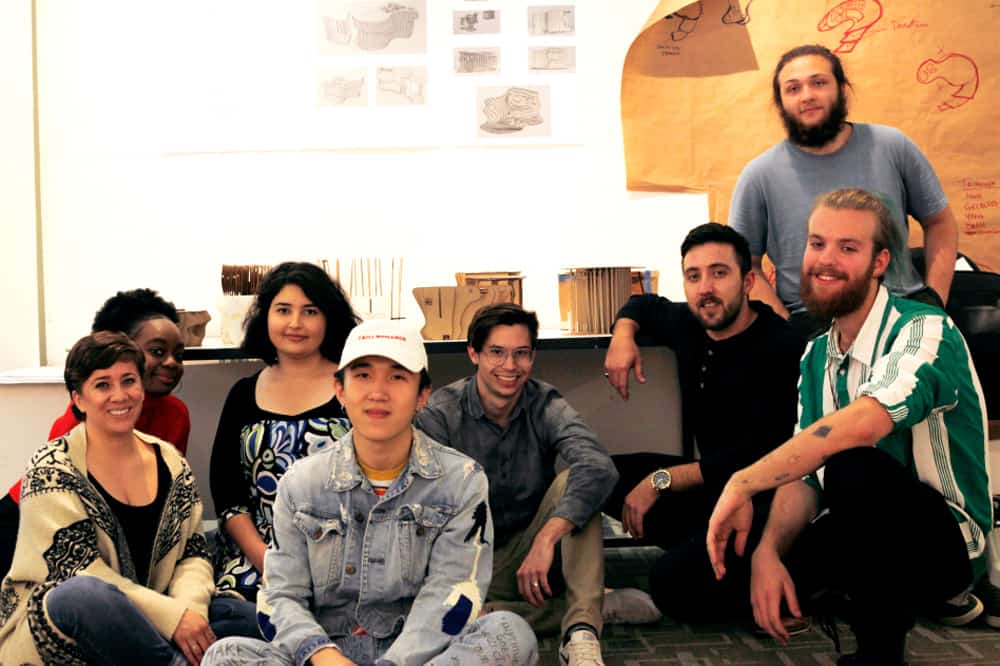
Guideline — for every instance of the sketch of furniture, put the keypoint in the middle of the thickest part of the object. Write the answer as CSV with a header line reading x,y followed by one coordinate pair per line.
x,y
338,27
552,58
404,81
370,26
487,20
339,89
513,111
378,25
550,20
470,61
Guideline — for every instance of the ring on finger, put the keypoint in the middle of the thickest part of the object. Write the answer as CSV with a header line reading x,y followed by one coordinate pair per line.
x,y
536,584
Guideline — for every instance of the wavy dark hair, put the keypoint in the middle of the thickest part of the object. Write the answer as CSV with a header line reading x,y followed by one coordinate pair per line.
x,y
126,311
713,232
98,351
324,293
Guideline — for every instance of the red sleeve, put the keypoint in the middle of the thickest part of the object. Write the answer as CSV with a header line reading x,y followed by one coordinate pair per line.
x,y
63,424
184,427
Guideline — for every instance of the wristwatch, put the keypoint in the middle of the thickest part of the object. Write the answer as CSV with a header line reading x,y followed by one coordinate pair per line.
x,y
661,480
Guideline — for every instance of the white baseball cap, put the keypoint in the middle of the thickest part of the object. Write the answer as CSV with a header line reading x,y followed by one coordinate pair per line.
x,y
390,339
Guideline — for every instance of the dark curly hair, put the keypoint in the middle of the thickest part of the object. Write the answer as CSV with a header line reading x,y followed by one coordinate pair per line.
x,y
126,311
98,351
324,293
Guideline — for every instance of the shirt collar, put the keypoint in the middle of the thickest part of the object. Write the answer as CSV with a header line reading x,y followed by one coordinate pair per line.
x,y
474,406
345,473
863,347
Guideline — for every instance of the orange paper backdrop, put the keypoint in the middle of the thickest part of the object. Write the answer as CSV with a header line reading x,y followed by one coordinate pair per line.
x,y
696,93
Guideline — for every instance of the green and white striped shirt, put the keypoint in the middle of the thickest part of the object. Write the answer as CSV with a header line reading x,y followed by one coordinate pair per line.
x,y
914,361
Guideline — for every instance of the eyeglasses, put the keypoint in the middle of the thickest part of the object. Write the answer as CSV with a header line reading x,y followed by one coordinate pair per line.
x,y
498,355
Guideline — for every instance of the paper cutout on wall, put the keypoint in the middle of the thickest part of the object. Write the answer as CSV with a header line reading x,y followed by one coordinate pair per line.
x,y
696,93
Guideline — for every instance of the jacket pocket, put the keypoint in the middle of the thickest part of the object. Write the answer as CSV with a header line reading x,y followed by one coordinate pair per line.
x,y
325,541
419,526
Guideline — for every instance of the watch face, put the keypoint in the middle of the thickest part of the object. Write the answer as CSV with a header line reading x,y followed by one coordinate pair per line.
x,y
661,479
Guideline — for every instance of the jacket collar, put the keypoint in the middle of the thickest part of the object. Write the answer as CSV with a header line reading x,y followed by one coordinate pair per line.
x,y
345,473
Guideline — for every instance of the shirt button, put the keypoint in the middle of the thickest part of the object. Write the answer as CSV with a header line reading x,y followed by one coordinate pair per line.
x,y
709,352
360,517
704,368
842,371
349,570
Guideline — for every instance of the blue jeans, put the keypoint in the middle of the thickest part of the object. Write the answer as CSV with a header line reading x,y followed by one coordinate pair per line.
x,y
110,629
500,638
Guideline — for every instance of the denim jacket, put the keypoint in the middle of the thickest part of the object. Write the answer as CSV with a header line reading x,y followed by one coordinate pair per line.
x,y
412,566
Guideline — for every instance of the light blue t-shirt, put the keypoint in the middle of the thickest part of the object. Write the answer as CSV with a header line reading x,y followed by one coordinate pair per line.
x,y
777,189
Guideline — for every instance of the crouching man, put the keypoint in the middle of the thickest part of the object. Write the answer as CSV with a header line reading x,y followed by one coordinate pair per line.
x,y
383,545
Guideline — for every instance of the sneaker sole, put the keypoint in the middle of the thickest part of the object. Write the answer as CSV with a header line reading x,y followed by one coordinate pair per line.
x,y
992,620
967,617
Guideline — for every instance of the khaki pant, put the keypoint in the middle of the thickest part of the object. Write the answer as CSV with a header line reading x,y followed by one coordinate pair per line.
x,y
582,567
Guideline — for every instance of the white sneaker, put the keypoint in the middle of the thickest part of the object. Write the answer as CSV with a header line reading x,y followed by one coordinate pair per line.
x,y
582,649
629,605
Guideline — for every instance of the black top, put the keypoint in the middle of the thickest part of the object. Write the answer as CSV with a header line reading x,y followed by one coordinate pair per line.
x,y
739,395
139,523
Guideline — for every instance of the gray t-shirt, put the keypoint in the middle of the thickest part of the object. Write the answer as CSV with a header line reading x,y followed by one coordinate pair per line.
x,y
778,188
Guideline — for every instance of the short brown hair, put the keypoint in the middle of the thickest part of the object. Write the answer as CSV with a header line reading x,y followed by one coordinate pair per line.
x,y
848,198
99,351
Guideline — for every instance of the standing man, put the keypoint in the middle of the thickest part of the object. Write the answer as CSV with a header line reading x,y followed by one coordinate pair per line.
x,y
738,366
777,189
892,437
516,427
382,546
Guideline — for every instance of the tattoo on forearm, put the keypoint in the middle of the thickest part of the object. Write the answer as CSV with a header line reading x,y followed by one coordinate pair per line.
x,y
822,431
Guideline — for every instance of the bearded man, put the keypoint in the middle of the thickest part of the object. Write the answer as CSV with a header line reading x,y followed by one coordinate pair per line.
x,y
738,364
823,151
883,505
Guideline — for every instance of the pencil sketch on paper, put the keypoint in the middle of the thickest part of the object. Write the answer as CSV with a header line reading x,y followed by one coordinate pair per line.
x,y
686,21
737,14
475,23
559,20
955,73
372,27
343,88
515,110
401,86
552,58
477,60
859,15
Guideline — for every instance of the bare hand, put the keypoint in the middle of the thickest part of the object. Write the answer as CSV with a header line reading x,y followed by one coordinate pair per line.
x,y
769,584
533,574
637,503
193,636
623,355
329,656
733,513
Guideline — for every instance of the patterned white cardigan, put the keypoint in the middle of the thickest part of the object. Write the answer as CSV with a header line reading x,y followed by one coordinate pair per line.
x,y
67,529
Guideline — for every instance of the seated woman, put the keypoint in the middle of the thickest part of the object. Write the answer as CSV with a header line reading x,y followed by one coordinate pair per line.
x,y
110,565
152,323
288,410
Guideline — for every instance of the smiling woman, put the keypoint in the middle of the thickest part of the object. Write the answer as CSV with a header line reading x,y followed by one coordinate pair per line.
x,y
99,575
297,324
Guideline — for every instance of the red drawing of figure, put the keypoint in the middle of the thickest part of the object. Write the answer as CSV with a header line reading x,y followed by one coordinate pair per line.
x,y
860,14
959,72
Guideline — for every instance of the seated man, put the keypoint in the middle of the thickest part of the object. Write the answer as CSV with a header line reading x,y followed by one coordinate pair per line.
x,y
892,435
516,427
382,546
738,365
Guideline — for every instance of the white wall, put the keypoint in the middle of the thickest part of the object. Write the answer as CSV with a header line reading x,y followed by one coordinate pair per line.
x,y
17,191
121,210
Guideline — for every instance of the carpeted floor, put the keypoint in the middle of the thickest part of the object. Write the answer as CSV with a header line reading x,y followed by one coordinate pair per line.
x,y
668,642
